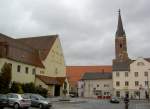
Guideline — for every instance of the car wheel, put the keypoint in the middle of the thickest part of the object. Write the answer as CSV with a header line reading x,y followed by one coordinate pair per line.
x,y
16,106
41,106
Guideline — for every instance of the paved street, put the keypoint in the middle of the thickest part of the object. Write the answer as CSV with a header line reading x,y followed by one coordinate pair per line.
x,y
100,104
77,103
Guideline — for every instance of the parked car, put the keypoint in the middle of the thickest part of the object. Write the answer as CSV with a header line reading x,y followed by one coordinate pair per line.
x,y
3,101
114,100
18,101
39,101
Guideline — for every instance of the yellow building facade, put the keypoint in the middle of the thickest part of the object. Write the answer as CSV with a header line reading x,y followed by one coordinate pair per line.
x,y
35,59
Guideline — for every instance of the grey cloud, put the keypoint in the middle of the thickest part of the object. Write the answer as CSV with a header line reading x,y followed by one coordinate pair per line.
x,y
86,28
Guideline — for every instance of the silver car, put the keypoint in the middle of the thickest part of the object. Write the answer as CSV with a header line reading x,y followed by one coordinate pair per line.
x,y
18,101
39,101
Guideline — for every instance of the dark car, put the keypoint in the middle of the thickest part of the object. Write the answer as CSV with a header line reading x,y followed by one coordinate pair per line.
x,y
114,100
39,101
3,101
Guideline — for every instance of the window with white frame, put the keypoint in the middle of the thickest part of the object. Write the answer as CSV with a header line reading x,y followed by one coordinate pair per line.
x,y
136,83
126,83
136,74
26,70
118,93
117,83
18,68
146,83
33,71
106,85
126,74
146,74
117,74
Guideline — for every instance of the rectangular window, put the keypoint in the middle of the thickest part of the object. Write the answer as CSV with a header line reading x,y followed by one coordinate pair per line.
x,y
126,83
94,91
118,93
18,68
145,73
98,92
126,74
27,70
117,83
33,71
136,74
117,74
106,85
41,72
105,93
146,83
136,83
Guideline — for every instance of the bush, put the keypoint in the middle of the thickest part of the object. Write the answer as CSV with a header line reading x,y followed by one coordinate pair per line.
x,y
5,78
16,88
31,88
41,91
28,88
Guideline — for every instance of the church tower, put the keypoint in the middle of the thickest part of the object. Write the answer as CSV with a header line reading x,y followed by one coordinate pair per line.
x,y
121,61
120,41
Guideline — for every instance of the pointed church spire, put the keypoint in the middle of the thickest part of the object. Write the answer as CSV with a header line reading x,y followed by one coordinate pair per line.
x,y
120,31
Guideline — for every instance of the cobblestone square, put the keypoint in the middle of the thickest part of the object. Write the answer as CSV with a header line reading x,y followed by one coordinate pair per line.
x,y
82,103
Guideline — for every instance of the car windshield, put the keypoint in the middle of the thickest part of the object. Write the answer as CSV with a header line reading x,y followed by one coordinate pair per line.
x,y
25,96
40,97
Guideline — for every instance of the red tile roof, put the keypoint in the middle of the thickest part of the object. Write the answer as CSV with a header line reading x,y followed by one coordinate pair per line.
x,y
42,43
26,50
51,80
74,73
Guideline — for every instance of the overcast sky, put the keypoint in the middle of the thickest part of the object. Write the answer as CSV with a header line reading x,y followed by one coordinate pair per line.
x,y
86,28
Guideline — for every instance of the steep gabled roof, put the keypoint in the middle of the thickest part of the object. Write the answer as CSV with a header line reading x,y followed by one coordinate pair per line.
x,y
43,44
97,75
14,50
26,50
51,80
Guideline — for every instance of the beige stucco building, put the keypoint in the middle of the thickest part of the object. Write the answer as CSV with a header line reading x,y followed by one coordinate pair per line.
x,y
96,85
133,82
26,74
35,59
